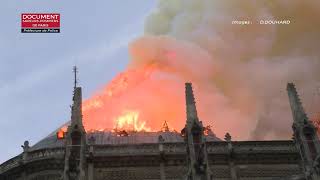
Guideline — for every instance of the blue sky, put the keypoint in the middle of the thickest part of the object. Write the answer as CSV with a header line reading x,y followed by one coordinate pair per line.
x,y
36,69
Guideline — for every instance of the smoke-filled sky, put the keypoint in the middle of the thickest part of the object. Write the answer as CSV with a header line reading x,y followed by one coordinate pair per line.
x,y
243,76
239,72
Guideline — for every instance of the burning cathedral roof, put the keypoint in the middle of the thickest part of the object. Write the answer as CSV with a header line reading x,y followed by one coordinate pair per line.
x,y
117,138
127,130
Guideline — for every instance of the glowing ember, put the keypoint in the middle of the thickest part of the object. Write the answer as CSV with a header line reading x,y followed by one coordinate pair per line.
x,y
130,121
61,133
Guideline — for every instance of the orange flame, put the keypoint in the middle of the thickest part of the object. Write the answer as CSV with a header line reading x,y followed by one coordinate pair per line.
x,y
124,104
139,99
61,132
130,121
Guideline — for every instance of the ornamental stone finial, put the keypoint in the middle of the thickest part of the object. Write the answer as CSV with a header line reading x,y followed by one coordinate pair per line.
x,y
160,139
227,137
25,146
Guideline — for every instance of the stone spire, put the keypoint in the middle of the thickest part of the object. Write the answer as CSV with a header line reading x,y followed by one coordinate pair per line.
x,y
76,109
305,136
194,137
75,71
165,127
76,139
299,115
192,115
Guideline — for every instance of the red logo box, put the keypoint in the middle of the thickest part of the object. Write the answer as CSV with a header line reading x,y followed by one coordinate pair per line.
x,y
40,22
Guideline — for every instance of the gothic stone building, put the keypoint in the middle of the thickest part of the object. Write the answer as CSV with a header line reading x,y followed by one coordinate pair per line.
x,y
189,155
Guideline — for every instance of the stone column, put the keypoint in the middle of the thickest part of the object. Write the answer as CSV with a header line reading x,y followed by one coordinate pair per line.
x,y
26,148
162,159
90,159
233,171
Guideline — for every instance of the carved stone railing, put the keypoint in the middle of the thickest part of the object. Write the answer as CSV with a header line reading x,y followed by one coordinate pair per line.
x,y
219,148
124,150
212,148
174,148
139,149
45,154
264,147
32,156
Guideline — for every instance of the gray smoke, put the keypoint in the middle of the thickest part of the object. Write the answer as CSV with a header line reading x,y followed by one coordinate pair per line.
x,y
251,64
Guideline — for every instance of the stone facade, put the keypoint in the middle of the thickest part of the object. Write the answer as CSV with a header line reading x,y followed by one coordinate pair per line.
x,y
189,155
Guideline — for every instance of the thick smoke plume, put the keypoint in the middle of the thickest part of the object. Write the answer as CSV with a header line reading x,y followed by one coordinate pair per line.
x,y
239,71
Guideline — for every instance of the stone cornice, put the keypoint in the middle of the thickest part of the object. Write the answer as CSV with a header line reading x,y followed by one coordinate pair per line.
x,y
216,150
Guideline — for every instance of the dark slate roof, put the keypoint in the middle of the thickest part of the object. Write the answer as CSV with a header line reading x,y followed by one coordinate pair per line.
x,y
111,138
